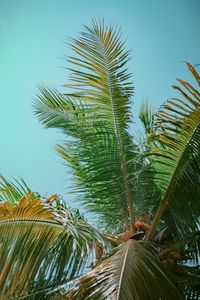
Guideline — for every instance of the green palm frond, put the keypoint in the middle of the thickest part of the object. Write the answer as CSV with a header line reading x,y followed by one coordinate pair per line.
x,y
11,191
41,246
103,80
176,165
97,117
146,115
144,200
132,272
92,154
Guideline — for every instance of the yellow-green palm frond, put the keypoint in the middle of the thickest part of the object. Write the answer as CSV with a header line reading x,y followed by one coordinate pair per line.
x,y
41,246
176,162
26,207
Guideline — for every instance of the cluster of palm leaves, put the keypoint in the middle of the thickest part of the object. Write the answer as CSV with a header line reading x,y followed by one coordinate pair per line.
x,y
144,197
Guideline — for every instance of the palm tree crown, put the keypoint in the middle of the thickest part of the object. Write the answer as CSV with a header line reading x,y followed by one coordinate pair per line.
x,y
145,198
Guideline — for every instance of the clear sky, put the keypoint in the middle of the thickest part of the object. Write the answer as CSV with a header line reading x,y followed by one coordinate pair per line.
x,y
162,33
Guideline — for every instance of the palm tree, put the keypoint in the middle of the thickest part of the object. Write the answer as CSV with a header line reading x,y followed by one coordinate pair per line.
x,y
144,197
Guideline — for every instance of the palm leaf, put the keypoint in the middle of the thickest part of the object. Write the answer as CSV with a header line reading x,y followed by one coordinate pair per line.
x,y
133,272
146,115
97,115
41,246
90,153
103,80
176,163
11,191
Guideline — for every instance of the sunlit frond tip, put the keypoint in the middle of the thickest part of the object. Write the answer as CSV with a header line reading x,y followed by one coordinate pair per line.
x,y
41,246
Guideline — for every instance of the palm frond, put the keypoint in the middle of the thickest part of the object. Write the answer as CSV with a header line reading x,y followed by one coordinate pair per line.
x,y
11,191
146,116
176,164
41,246
90,153
97,116
103,80
132,272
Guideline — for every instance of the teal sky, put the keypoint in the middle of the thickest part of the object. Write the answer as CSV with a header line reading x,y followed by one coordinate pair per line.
x,y
162,33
